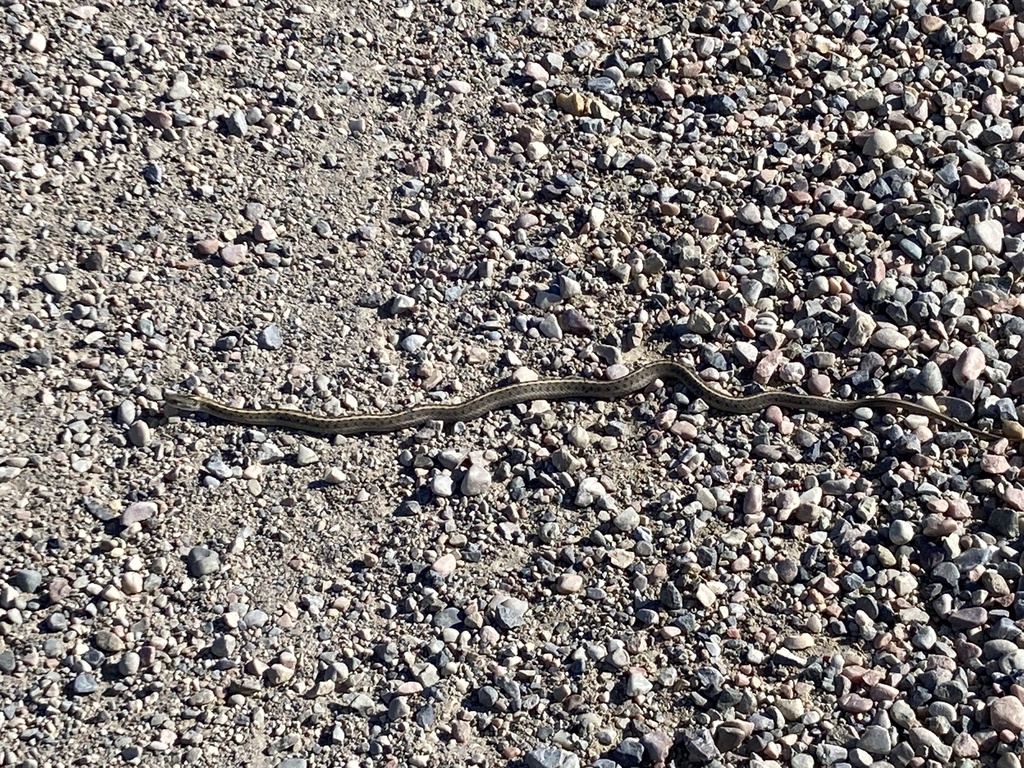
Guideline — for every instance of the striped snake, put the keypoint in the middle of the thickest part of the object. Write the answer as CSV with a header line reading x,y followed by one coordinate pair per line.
x,y
553,389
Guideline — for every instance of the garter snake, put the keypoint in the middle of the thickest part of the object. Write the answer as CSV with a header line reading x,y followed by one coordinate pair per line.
x,y
554,389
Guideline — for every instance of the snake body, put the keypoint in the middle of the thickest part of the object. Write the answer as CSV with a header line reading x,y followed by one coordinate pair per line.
x,y
553,389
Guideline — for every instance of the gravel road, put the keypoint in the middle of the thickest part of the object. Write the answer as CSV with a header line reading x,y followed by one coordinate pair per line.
x,y
358,207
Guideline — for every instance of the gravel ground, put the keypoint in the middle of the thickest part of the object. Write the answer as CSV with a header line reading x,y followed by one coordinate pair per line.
x,y
353,207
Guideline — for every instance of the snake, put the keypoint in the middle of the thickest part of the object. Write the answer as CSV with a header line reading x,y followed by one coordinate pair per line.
x,y
555,389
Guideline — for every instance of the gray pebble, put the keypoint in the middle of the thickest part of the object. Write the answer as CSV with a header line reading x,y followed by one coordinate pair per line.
x,y
551,757
487,696
637,684
901,532
203,561
508,613
880,143
255,618
108,642
28,580
413,343
476,481
85,683
129,664
235,123
270,337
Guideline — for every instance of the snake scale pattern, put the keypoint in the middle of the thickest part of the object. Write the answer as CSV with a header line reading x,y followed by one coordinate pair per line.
x,y
554,389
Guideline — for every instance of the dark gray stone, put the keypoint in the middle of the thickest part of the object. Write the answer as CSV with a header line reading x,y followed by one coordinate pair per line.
x,y
203,561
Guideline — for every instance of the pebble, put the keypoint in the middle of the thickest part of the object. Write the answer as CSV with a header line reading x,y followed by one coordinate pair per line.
x,y
55,282
1006,713
28,580
305,456
637,684
203,561
85,683
271,337
476,481
988,234
880,143
569,584
550,757
508,612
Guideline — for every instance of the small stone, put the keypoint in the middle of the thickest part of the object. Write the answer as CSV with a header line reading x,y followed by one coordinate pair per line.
x,y
235,123
270,337
969,366
335,476
444,565
968,618
204,697
279,674
1007,714
223,646
888,338
792,709
798,642
442,486
537,150
728,737
255,619
203,561
108,642
476,481
132,583
7,661
233,255
263,232
137,512
129,664
569,584
876,740
663,90
637,684
180,88
988,234
508,613
305,456
84,684
880,143
551,757
627,520
28,580
35,42
55,282
700,745
657,745
901,532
